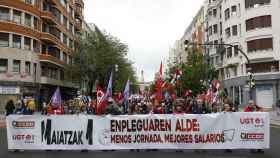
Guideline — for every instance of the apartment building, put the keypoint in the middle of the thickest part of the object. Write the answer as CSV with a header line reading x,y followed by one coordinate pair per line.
x,y
194,33
37,42
251,26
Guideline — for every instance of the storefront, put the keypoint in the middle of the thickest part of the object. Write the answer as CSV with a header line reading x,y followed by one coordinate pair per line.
x,y
8,93
266,93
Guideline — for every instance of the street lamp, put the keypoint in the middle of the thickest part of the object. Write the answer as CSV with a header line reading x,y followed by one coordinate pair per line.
x,y
187,43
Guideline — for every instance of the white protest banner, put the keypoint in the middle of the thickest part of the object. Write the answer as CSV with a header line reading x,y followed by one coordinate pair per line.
x,y
77,132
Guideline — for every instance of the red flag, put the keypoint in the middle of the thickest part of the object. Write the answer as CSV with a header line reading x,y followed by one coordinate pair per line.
x,y
159,83
160,70
101,101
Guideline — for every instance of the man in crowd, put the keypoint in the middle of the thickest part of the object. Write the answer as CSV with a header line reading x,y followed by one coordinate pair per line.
x,y
253,107
199,107
10,107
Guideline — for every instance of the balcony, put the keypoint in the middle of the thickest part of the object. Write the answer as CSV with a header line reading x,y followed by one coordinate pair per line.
x,y
21,6
79,2
49,38
48,80
219,65
78,24
261,55
51,59
48,17
233,60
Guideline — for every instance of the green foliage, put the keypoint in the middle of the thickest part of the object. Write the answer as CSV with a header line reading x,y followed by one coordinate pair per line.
x,y
95,58
196,73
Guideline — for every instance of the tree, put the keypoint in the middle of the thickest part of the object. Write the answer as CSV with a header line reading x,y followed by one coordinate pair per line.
x,y
196,73
96,56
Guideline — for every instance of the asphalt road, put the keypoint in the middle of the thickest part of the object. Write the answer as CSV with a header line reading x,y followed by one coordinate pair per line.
x,y
273,152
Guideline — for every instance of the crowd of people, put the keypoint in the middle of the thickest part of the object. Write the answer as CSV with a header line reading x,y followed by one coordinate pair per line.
x,y
135,106
24,106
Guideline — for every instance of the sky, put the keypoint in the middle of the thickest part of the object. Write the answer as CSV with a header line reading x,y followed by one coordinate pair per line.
x,y
149,27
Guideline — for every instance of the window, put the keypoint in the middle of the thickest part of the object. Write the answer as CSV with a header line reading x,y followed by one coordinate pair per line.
x,y
54,31
215,12
71,27
16,41
235,71
210,30
65,39
4,39
36,23
56,13
62,75
28,2
4,14
227,14
216,43
71,11
27,68
27,19
229,52
27,43
260,44
64,57
17,17
217,60
255,3
210,13
3,65
227,73
71,44
234,30
16,66
221,28
53,73
235,50
220,11
233,10
70,60
258,22
34,69
227,31
240,32
44,71
65,21
215,28
36,46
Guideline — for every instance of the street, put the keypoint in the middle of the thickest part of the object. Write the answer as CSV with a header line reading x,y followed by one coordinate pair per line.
x,y
273,152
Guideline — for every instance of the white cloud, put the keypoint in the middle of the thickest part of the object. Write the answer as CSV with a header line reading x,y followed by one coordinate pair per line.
x,y
149,27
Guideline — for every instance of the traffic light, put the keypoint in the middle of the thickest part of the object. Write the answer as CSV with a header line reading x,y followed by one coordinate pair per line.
x,y
252,81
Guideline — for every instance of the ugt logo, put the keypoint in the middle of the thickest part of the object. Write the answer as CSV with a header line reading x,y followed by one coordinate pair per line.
x,y
67,137
256,121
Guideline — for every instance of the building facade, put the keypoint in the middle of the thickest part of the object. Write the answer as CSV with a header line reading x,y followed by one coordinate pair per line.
x,y
251,26
195,33
37,42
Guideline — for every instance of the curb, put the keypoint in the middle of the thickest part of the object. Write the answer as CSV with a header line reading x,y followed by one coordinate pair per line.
x,y
274,125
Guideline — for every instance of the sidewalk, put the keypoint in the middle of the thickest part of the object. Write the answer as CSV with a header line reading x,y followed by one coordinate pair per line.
x,y
274,118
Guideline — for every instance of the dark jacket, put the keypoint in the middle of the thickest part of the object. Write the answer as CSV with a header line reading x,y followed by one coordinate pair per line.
x,y
10,108
200,110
